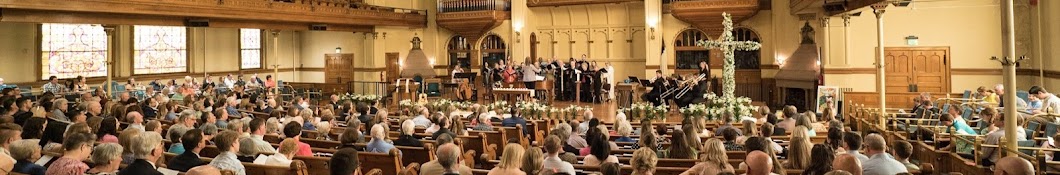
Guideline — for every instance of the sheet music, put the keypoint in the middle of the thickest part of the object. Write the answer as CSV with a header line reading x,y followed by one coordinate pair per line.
x,y
44,160
167,171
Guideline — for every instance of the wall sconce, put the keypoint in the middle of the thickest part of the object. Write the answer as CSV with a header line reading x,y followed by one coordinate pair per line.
x,y
518,36
653,33
338,50
781,60
912,40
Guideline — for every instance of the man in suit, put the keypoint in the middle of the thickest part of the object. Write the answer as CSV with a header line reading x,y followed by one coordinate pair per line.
x,y
194,142
658,87
146,149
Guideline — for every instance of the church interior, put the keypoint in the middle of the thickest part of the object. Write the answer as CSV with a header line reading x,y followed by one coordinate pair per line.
x,y
610,87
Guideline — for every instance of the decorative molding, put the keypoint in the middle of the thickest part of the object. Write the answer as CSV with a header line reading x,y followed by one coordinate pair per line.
x,y
975,71
1034,72
165,12
850,71
545,3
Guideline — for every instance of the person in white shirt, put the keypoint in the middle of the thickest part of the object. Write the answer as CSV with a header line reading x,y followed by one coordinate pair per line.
x,y
1050,103
552,163
230,81
880,162
257,134
287,150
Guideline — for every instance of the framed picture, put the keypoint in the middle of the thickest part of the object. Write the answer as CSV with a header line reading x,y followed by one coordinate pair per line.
x,y
827,96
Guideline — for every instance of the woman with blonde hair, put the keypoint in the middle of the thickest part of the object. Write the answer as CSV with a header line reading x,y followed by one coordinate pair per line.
x,y
511,160
798,153
749,129
643,162
713,156
533,160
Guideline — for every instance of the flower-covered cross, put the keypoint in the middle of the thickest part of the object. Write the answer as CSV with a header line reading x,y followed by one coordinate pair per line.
x,y
726,44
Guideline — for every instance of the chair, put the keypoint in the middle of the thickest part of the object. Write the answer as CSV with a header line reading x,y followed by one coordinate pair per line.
x,y
1026,143
966,113
1033,125
1050,129
967,94
433,90
1023,95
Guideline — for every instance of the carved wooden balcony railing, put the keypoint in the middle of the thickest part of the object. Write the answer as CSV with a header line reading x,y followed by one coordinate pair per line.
x,y
706,14
445,6
545,3
281,14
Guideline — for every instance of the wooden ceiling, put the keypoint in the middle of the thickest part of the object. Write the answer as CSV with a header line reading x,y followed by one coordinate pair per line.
x,y
472,24
706,15
545,3
266,14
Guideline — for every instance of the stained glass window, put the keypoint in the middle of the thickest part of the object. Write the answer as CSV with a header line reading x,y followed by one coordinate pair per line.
x,y
69,50
160,49
250,48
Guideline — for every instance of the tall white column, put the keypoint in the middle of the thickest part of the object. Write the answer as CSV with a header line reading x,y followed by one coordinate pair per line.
x,y
110,58
881,81
826,57
275,58
1009,63
846,40
653,35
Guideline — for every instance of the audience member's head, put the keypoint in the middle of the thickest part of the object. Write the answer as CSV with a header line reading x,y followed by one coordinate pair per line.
x,y
292,130
126,138
822,163
758,163
729,134
344,161
643,161
553,145
902,150
10,132
147,146
852,141
714,153
790,111
848,163
107,154
288,147
79,144
448,156
408,127
1013,166
193,140
512,156
257,126
204,170
25,150
227,141
533,160
875,144
247,147
378,132
610,168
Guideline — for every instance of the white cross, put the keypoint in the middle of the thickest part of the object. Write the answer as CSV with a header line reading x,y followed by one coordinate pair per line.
x,y
726,44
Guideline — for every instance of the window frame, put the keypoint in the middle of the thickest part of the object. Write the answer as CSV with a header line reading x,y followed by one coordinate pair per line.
x,y
132,51
261,49
39,54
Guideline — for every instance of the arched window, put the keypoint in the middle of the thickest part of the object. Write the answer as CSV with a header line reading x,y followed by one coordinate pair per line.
x,y
459,51
688,55
250,48
747,59
160,49
493,50
70,50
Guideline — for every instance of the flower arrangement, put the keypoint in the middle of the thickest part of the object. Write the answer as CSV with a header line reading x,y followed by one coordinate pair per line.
x,y
728,46
571,112
497,105
532,110
717,106
694,111
360,98
646,111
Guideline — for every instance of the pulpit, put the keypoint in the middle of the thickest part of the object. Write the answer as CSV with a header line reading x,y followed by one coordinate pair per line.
x,y
626,94
404,89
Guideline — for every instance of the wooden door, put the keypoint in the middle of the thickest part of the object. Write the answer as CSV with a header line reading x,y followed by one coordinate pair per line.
x,y
917,69
931,70
393,66
338,68
899,73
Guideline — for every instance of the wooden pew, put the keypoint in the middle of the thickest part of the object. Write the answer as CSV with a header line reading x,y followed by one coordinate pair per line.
x,y
492,141
389,163
411,155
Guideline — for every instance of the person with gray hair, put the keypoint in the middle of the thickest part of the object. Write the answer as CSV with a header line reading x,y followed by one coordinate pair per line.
x,y
880,162
204,170
185,122
106,158
1014,166
25,152
136,121
408,127
146,149
448,162
379,143
247,150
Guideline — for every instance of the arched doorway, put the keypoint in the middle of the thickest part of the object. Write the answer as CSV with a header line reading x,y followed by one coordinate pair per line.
x,y
459,52
493,50
533,48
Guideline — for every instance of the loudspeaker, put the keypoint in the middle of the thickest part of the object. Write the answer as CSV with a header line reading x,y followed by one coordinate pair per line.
x,y
318,27
197,23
